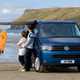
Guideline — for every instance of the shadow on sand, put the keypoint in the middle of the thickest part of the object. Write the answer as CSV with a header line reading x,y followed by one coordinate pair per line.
x,y
63,70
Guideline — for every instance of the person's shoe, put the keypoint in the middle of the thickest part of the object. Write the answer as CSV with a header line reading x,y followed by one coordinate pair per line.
x,y
23,70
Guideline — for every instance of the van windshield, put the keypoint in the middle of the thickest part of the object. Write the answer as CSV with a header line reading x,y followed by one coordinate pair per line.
x,y
59,29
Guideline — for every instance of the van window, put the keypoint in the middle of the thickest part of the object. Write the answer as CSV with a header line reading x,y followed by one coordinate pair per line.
x,y
59,29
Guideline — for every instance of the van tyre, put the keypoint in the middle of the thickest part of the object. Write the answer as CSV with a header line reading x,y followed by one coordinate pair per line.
x,y
38,66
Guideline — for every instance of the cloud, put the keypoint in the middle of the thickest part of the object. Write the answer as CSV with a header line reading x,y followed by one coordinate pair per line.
x,y
12,10
6,11
10,14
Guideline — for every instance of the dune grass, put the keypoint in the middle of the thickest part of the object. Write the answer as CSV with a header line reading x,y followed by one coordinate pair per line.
x,y
50,14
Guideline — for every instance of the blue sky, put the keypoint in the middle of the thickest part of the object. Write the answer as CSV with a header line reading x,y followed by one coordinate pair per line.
x,y
11,9
38,3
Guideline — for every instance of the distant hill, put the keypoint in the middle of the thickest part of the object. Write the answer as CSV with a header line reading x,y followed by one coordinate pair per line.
x,y
50,14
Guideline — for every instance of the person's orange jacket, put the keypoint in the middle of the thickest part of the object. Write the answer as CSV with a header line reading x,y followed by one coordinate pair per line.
x,y
3,39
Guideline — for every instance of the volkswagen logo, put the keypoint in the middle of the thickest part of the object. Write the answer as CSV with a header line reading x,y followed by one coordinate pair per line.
x,y
66,48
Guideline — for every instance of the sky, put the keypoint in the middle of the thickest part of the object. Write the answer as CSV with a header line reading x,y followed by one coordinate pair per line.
x,y
12,9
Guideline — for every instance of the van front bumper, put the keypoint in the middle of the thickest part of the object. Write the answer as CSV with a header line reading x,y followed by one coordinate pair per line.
x,y
49,59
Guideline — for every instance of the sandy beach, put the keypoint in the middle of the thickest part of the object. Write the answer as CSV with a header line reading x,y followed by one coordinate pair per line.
x,y
9,71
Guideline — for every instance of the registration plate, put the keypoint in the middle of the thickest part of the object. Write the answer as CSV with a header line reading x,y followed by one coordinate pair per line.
x,y
67,61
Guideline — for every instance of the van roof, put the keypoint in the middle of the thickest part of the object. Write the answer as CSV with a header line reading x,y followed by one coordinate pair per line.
x,y
53,21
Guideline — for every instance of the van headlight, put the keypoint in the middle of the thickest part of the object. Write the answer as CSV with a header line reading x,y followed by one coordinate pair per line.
x,y
45,48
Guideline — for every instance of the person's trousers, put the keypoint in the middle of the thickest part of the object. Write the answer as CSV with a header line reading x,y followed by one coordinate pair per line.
x,y
27,59
21,59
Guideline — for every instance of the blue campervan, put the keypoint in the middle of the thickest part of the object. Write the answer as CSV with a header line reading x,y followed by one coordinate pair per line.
x,y
58,44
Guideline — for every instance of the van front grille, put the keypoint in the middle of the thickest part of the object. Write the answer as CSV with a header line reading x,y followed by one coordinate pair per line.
x,y
71,48
66,56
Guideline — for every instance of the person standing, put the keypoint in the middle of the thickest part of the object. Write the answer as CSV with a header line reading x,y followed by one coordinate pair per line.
x,y
21,50
29,46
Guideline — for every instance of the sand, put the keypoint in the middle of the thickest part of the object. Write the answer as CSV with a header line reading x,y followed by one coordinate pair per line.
x,y
9,71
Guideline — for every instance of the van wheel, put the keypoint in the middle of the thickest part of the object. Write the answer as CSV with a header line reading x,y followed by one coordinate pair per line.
x,y
38,66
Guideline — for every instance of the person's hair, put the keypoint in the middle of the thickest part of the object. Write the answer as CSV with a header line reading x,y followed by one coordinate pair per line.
x,y
33,25
24,34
